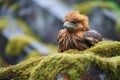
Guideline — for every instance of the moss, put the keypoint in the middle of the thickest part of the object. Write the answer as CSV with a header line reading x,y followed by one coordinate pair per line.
x,y
110,66
3,22
116,65
72,51
14,7
20,43
52,47
33,53
118,27
72,62
20,71
53,65
74,65
106,49
1,1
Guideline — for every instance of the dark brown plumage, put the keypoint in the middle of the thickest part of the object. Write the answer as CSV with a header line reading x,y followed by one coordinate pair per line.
x,y
76,33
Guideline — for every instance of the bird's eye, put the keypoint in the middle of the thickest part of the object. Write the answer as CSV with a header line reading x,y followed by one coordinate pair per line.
x,y
74,22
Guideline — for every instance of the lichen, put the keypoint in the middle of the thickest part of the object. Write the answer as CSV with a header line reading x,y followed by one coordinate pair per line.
x,y
72,62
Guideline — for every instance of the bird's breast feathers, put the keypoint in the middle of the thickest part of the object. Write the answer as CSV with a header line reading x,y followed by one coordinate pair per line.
x,y
68,40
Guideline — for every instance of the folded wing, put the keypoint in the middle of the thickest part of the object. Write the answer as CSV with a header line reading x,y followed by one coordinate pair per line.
x,y
92,37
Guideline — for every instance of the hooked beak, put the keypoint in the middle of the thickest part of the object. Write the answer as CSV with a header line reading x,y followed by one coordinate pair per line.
x,y
68,25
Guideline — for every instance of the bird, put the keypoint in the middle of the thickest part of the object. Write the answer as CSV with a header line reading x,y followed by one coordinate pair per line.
x,y
76,33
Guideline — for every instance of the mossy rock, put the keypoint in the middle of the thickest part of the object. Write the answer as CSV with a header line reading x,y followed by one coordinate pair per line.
x,y
17,44
14,7
106,49
75,66
51,66
3,22
33,53
74,63
52,47
20,71
118,27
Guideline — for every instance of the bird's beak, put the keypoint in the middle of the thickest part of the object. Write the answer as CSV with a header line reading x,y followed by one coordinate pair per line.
x,y
68,25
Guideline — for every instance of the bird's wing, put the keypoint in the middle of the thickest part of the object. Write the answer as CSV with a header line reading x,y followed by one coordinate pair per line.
x,y
92,37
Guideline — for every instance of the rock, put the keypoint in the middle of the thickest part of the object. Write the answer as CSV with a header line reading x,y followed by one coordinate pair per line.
x,y
104,21
44,17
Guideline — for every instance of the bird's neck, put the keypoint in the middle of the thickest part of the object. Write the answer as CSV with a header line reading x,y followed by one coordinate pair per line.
x,y
73,31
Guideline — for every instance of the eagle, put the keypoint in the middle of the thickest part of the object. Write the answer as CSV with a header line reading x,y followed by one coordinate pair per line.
x,y
76,33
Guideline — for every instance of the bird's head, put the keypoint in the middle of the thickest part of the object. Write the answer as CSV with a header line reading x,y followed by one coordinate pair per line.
x,y
74,20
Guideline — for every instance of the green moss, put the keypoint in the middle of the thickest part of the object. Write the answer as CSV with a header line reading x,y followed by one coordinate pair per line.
x,y
72,62
118,27
53,65
106,49
52,47
33,53
1,1
14,7
73,51
20,71
110,66
17,44
3,22
74,65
